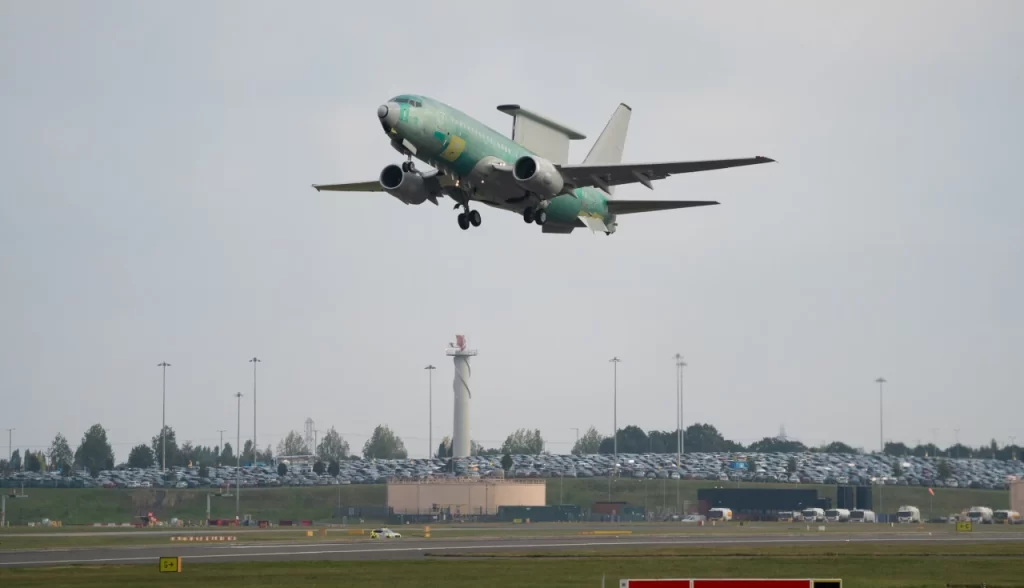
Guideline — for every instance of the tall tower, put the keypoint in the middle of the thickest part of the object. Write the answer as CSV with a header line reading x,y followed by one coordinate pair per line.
x,y
308,438
460,434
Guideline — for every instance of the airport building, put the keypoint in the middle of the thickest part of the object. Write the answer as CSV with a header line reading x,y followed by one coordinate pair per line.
x,y
458,497
1017,495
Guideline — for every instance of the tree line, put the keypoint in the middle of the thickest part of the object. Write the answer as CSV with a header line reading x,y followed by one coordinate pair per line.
x,y
94,452
705,438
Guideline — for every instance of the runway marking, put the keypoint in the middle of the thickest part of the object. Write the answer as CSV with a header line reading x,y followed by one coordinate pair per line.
x,y
506,546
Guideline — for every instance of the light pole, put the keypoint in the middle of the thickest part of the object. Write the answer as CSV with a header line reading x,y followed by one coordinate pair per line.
x,y
681,445
430,410
577,435
1013,447
238,455
163,418
221,447
10,446
881,438
255,451
615,421
615,405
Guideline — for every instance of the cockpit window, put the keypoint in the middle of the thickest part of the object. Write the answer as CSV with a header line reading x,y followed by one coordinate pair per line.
x,y
408,101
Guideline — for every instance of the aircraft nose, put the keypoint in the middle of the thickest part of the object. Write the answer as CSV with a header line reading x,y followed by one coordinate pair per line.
x,y
388,115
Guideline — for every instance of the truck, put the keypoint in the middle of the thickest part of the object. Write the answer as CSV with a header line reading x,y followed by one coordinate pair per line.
x,y
980,515
1006,517
862,516
908,514
837,515
812,515
720,514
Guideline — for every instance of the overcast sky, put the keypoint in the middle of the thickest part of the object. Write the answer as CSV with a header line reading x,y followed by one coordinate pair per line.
x,y
156,206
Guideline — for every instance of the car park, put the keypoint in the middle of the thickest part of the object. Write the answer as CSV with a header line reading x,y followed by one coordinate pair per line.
x,y
812,468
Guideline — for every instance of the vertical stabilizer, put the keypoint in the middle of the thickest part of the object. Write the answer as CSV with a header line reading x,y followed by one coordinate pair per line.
x,y
608,147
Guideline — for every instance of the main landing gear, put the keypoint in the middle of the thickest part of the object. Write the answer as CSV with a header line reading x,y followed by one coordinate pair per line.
x,y
539,216
470,217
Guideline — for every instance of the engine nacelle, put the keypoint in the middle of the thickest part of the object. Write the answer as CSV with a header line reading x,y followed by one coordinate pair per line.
x,y
406,186
538,175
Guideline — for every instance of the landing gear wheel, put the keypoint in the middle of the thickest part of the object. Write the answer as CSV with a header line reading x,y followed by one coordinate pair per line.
x,y
463,221
474,217
408,166
528,215
541,217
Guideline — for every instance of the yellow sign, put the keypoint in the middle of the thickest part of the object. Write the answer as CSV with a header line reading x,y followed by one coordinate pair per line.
x,y
963,526
170,564
426,532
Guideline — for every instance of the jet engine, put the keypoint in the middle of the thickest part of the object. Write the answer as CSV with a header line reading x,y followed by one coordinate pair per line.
x,y
538,175
406,186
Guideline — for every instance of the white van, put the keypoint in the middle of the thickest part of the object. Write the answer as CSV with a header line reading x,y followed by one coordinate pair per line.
x,y
837,515
720,514
862,516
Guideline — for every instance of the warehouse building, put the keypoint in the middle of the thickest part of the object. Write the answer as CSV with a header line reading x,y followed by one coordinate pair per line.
x,y
461,497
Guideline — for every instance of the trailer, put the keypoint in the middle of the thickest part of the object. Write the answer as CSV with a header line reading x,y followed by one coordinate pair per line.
x,y
862,516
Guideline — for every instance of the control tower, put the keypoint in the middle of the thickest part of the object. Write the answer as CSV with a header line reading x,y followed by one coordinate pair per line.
x,y
460,434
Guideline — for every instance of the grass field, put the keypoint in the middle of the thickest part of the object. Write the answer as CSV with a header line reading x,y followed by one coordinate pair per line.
x,y
86,506
874,566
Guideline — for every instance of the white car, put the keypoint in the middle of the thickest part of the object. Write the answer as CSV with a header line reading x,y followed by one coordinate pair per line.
x,y
384,533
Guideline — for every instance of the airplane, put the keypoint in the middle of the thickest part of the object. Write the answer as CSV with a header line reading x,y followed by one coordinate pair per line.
x,y
528,173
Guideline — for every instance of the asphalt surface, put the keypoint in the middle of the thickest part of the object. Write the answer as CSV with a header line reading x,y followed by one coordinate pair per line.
x,y
416,548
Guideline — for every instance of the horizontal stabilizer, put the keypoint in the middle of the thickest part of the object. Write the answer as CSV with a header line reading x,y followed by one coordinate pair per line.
x,y
632,206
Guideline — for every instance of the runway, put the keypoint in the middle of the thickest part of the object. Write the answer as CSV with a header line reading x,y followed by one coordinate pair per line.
x,y
411,549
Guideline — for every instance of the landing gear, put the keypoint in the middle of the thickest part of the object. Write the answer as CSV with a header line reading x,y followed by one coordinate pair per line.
x,y
535,216
408,166
470,217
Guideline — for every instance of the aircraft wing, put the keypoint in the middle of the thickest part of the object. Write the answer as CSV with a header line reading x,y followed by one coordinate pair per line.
x,y
435,183
373,186
606,175
633,206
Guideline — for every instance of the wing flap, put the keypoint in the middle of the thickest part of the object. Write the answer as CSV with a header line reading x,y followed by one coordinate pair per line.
x,y
633,206
644,173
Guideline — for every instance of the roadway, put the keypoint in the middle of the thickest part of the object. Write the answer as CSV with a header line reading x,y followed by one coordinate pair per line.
x,y
418,548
